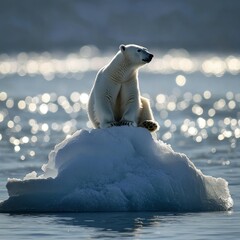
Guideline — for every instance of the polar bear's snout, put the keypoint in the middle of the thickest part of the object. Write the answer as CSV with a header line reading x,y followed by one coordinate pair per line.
x,y
148,58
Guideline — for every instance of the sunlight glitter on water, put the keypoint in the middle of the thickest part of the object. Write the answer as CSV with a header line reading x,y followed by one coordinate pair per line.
x,y
50,65
202,108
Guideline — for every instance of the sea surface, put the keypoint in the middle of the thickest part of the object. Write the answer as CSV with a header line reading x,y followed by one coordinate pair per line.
x,y
195,98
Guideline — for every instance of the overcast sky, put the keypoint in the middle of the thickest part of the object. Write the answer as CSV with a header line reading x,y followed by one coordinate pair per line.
x,y
36,25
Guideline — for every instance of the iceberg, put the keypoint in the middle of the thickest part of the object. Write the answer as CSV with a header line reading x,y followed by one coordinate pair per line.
x,y
116,169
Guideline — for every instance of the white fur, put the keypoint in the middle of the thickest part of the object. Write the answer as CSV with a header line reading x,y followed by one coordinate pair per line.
x,y
115,97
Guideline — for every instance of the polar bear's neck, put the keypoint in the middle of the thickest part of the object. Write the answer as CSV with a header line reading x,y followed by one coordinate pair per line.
x,y
121,70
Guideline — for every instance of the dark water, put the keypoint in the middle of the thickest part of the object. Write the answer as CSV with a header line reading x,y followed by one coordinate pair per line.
x,y
196,100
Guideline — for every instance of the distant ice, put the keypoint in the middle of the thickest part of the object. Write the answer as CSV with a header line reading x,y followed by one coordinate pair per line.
x,y
116,169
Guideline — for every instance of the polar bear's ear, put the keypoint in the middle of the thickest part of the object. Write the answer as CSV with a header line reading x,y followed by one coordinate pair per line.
x,y
122,48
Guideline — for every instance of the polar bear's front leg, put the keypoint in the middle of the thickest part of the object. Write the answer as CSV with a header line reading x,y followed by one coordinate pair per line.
x,y
131,102
130,115
105,114
104,107
131,112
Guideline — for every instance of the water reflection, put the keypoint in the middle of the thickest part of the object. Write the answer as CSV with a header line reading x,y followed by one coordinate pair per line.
x,y
106,224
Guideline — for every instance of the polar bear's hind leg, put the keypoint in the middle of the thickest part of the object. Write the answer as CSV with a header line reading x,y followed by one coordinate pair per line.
x,y
146,119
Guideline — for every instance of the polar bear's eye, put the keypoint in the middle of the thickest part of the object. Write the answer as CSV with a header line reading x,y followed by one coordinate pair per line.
x,y
139,50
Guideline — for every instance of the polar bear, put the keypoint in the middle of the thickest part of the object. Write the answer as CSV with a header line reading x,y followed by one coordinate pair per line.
x,y
115,98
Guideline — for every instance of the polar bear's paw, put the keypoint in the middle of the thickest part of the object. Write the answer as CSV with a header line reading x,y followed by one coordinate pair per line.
x,y
113,124
149,125
127,123
108,124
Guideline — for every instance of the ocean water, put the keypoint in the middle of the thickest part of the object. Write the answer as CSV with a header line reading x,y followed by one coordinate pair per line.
x,y
195,99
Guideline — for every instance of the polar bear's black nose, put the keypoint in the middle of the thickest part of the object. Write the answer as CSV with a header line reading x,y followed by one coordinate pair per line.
x,y
151,56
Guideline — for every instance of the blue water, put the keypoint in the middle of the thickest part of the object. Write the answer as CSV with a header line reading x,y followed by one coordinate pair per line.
x,y
40,106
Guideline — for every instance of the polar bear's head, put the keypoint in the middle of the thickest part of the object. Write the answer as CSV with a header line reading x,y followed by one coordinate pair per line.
x,y
135,54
